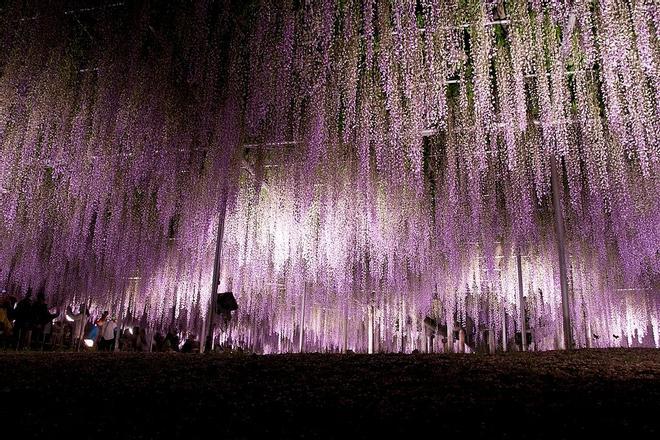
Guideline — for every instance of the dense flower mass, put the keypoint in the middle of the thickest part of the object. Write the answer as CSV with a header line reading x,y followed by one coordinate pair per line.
x,y
379,161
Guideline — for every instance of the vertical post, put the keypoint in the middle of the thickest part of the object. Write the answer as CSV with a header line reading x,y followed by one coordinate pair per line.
x,y
587,335
561,248
216,274
504,345
301,342
521,302
118,337
369,295
370,325
345,327
403,326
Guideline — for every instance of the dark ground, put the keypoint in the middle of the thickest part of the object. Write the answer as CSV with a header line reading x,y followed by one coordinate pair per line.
x,y
534,395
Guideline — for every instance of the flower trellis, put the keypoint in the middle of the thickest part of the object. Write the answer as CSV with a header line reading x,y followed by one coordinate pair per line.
x,y
377,158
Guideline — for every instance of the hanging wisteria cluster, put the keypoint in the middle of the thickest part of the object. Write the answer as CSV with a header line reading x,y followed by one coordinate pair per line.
x,y
379,162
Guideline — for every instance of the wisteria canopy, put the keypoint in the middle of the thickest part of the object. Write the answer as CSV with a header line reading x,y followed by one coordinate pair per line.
x,y
368,162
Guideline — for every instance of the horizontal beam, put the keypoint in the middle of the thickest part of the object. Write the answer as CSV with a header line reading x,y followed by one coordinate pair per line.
x,y
269,145
504,22
526,76
95,8
567,73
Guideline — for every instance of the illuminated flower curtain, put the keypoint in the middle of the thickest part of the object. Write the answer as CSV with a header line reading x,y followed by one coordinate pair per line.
x,y
384,161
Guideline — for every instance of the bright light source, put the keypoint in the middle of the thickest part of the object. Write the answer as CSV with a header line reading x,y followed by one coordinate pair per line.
x,y
89,342
130,330
69,318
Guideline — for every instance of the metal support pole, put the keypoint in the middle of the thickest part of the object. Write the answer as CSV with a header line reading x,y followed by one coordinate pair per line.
x,y
370,325
587,333
504,341
561,248
402,320
118,337
301,342
521,302
216,273
345,328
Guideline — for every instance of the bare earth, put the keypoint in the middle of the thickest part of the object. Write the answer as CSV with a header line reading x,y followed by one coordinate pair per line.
x,y
531,395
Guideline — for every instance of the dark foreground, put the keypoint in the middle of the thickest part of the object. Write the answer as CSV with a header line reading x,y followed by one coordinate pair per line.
x,y
535,395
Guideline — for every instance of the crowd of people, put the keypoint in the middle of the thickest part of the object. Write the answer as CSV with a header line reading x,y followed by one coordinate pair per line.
x,y
32,325
26,320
